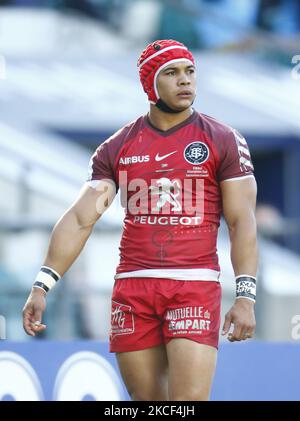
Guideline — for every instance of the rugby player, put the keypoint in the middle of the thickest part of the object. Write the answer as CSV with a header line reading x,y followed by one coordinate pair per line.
x,y
177,171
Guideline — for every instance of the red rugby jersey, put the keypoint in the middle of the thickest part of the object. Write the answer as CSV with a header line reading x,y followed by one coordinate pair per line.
x,y
170,188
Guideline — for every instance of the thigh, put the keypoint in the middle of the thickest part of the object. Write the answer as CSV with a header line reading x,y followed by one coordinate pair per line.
x,y
191,369
145,373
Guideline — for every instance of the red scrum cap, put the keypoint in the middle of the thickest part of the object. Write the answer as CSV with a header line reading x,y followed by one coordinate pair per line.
x,y
155,57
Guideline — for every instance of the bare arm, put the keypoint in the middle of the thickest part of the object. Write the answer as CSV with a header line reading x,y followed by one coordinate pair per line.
x,y
239,201
66,243
74,228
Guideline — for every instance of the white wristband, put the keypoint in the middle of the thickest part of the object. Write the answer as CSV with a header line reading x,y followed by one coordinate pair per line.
x,y
246,287
46,278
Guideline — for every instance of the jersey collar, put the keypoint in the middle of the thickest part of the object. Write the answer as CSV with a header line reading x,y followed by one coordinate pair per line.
x,y
173,129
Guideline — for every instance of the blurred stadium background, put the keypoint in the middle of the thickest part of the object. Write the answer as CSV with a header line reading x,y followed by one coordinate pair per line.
x,y
68,80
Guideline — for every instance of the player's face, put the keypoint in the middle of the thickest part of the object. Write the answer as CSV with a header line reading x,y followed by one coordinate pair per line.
x,y
176,85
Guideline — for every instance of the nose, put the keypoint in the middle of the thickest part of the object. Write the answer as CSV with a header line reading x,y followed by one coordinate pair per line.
x,y
184,79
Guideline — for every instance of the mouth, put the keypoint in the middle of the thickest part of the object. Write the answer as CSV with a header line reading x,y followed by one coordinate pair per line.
x,y
185,94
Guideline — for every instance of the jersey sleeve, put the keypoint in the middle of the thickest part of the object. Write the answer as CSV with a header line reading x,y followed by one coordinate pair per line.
x,y
235,160
100,166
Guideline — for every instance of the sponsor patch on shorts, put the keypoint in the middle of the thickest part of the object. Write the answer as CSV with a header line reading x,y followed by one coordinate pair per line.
x,y
188,320
122,321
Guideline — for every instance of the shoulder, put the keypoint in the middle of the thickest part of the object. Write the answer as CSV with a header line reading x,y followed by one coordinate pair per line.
x,y
225,139
216,129
103,161
123,135
233,158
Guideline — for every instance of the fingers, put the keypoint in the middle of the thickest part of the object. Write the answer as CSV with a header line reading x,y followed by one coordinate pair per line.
x,y
27,324
38,327
34,327
241,333
32,321
248,333
227,324
236,335
37,317
242,316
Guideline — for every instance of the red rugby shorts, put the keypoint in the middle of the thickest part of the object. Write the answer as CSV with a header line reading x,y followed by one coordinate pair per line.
x,y
147,312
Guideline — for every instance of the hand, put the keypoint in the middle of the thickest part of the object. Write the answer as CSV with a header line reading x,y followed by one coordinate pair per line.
x,y
241,315
33,311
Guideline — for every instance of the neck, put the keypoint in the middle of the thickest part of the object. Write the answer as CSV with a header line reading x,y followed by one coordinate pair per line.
x,y
165,121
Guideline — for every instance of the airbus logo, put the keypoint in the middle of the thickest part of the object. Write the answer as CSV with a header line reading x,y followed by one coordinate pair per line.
x,y
160,158
134,159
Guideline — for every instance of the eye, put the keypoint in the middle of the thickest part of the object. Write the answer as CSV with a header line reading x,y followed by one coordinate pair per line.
x,y
191,71
170,73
